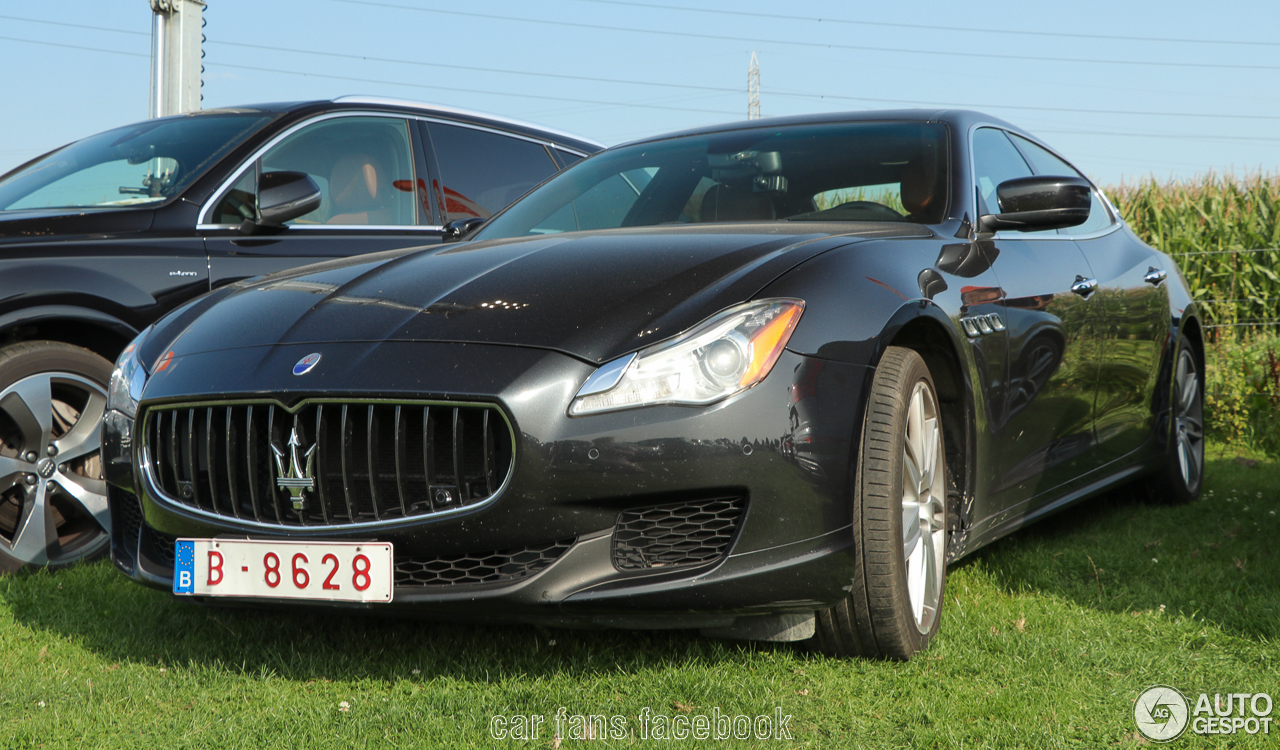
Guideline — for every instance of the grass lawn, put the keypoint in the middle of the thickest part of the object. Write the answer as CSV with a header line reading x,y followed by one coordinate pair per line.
x,y
1048,638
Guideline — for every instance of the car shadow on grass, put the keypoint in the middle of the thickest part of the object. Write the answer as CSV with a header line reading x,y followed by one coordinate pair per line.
x,y
1122,553
103,611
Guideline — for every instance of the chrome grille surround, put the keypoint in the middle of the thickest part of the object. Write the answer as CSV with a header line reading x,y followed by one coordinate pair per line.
x,y
418,449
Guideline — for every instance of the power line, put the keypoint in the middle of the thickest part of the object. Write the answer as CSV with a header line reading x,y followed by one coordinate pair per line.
x,y
950,29
807,44
539,96
76,25
666,85
1166,135
74,46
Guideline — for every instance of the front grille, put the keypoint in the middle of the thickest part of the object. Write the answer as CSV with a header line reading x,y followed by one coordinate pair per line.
x,y
678,534
499,566
350,462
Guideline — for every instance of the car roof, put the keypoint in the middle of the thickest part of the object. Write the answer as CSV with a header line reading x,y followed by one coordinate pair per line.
x,y
404,105
961,118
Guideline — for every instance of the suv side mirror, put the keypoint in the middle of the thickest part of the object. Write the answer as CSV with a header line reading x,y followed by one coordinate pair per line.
x,y
283,196
1040,202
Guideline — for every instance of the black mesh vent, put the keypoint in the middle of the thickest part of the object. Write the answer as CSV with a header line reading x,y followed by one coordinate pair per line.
x,y
158,546
500,566
126,515
679,534
351,462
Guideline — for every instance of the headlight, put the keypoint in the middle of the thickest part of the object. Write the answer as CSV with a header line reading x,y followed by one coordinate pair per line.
x,y
127,379
727,353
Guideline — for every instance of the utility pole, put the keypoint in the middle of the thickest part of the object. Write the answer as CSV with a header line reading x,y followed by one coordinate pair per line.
x,y
176,56
753,89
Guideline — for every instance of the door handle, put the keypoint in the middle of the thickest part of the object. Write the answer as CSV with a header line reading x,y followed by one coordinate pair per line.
x,y
1084,287
1155,275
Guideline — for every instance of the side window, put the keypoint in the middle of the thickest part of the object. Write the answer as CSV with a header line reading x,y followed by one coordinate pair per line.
x,y
363,166
481,172
994,161
1048,164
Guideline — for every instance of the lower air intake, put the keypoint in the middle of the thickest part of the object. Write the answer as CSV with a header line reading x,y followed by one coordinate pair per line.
x,y
676,535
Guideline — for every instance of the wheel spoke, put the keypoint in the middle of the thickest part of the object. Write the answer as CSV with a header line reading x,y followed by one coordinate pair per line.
x,y
29,404
36,535
910,531
1190,388
930,440
930,588
12,468
89,494
919,590
85,437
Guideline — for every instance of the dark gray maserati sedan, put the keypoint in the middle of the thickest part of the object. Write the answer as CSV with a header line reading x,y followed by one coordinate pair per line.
x,y
765,379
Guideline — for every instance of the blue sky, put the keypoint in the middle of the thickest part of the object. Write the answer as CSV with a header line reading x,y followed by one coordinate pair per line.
x,y
1124,89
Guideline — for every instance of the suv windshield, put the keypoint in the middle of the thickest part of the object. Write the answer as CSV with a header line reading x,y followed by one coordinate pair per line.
x,y
867,171
147,162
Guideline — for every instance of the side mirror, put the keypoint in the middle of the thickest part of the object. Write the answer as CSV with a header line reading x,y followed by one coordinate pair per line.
x,y
283,196
459,228
1040,202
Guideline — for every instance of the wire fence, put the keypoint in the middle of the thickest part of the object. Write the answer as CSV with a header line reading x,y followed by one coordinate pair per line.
x,y
1210,277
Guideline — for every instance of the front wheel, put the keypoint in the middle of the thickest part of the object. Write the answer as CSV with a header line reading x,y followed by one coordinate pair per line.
x,y
53,500
894,605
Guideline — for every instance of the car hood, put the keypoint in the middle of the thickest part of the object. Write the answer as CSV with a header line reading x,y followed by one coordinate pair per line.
x,y
594,295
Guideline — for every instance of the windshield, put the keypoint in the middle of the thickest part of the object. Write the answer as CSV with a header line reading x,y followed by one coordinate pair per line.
x,y
868,171
147,162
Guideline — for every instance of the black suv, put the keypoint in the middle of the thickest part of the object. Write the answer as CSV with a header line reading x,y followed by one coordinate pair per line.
x,y
103,236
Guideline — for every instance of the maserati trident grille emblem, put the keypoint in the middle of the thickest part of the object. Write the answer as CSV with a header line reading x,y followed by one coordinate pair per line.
x,y
297,478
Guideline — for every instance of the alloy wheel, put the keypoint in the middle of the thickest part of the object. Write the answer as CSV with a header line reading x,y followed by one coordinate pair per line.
x,y
53,500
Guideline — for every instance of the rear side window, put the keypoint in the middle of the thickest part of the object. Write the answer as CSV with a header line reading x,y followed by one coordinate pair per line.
x,y
482,172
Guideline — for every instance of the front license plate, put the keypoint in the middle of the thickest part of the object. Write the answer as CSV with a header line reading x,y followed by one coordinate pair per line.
x,y
266,569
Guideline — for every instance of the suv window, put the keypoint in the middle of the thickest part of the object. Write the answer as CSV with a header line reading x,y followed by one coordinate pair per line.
x,y
1048,164
363,166
482,172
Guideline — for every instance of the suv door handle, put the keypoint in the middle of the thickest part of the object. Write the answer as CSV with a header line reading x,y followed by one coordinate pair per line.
x,y
1084,287
1155,275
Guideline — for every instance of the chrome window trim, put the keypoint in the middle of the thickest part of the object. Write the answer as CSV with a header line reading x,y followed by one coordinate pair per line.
x,y
203,223
142,462
424,228
448,110
1116,221
235,176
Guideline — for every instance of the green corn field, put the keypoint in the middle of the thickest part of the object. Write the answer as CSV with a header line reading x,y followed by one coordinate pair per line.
x,y
1225,235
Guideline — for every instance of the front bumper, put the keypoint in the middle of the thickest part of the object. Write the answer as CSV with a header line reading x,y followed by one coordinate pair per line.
x,y
781,449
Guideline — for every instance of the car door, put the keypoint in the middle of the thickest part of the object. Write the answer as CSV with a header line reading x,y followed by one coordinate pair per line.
x,y
1044,438
1133,316
372,183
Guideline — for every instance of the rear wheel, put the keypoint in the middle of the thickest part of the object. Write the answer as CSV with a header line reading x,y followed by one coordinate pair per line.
x,y
1183,474
893,608
53,500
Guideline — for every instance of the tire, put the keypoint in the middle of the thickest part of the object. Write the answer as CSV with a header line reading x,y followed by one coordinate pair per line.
x,y
53,500
893,608
1182,476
